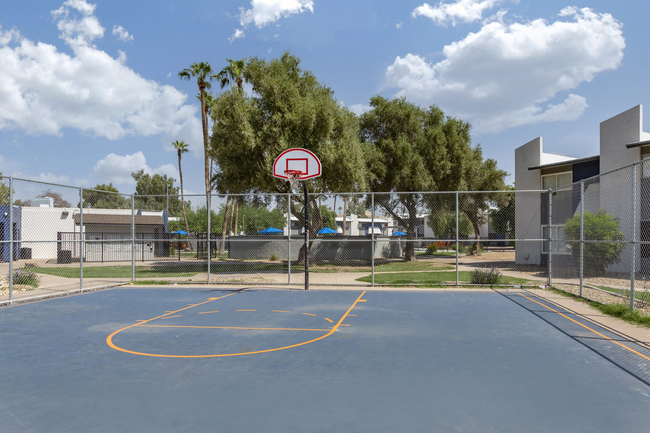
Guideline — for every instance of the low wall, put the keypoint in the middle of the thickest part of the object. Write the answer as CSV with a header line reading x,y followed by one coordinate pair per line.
x,y
262,248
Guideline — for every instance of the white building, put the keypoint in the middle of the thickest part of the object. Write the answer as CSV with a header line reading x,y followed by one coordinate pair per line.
x,y
622,142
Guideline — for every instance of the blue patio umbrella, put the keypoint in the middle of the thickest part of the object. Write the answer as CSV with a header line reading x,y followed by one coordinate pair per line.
x,y
399,234
327,231
179,232
270,230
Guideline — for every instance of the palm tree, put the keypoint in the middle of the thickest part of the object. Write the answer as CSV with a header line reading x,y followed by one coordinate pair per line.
x,y
233,72
204,74
181,147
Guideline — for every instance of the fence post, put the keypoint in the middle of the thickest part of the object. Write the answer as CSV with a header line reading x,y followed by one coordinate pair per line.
x,y
456,238
132,237
633,267
582,233
209,207
11,239
82,239
372,228
550,237
289,237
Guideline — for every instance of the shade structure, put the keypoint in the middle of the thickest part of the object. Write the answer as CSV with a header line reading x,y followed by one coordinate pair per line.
x,y
327,231
270,230
179,232
399,234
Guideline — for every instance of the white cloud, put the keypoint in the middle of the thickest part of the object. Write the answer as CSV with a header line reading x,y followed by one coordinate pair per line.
x,y
466,11
118,168
265,12
359,109
44,177
122,34
399,25
43,90
503,75
239,33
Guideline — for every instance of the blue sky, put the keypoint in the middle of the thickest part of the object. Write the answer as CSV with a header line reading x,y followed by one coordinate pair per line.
x,y
89,90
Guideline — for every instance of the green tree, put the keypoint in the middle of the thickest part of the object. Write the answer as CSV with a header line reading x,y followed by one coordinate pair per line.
x,y
482,176
181,148
329,218
233,72
204,74
600,226
4,191
289,108
409,149
109,199
503,218
443,224
151,192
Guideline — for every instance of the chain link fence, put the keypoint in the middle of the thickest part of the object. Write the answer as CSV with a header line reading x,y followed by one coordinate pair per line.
x,y
599,237
591,238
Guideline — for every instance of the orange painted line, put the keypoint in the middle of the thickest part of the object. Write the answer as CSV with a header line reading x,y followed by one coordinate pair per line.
x,y
280,311
357,307
585,326
237,327
168,317
246,310
344,325
109,339
352,315
363,300
308,314
329,320
208,312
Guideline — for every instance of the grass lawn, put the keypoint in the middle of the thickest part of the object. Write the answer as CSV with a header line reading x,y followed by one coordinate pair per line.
x,y
190,269
430,278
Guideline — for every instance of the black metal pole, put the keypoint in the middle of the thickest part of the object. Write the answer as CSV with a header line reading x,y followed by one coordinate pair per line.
x,y
304,189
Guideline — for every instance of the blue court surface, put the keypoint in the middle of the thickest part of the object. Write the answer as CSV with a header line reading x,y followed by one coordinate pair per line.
x,y
261,360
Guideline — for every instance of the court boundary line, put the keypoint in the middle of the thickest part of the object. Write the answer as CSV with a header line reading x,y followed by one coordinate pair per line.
x,y
109,339
574,338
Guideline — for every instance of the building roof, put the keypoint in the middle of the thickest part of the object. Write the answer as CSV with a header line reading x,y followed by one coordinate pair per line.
x,y
638,144
120,220
569,162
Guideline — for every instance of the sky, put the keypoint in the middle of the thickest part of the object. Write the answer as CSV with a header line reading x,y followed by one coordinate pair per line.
x,y
89,91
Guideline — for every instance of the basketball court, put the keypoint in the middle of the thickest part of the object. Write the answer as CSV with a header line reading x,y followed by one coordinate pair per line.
x,y
198,359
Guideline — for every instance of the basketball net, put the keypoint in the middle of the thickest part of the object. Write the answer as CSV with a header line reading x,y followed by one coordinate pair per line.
x,y
294,177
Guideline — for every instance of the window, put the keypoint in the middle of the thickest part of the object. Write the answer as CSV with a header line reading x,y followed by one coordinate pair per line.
x,y
556,235
557,180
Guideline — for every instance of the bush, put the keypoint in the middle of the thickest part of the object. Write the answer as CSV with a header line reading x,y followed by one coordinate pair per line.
x,y
274,258
432,249
27,278
485,276
601,227
461,248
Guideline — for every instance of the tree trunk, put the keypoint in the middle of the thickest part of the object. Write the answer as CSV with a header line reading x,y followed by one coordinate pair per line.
x,y
409,249
232,215
187,227
222,248
477,234
237,220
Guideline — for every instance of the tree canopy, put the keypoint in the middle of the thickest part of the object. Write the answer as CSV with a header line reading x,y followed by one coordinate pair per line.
x,y
151,190
111,199
288,108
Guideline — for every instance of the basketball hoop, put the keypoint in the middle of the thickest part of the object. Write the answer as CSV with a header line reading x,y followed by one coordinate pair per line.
x,y
293,176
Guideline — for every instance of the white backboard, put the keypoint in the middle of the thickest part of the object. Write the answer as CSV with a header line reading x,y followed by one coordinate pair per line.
x,y
297,159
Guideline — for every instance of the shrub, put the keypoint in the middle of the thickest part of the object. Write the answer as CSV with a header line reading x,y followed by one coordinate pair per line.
x,y
274,258
485,276
432,249
27,278
602,227
461,248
